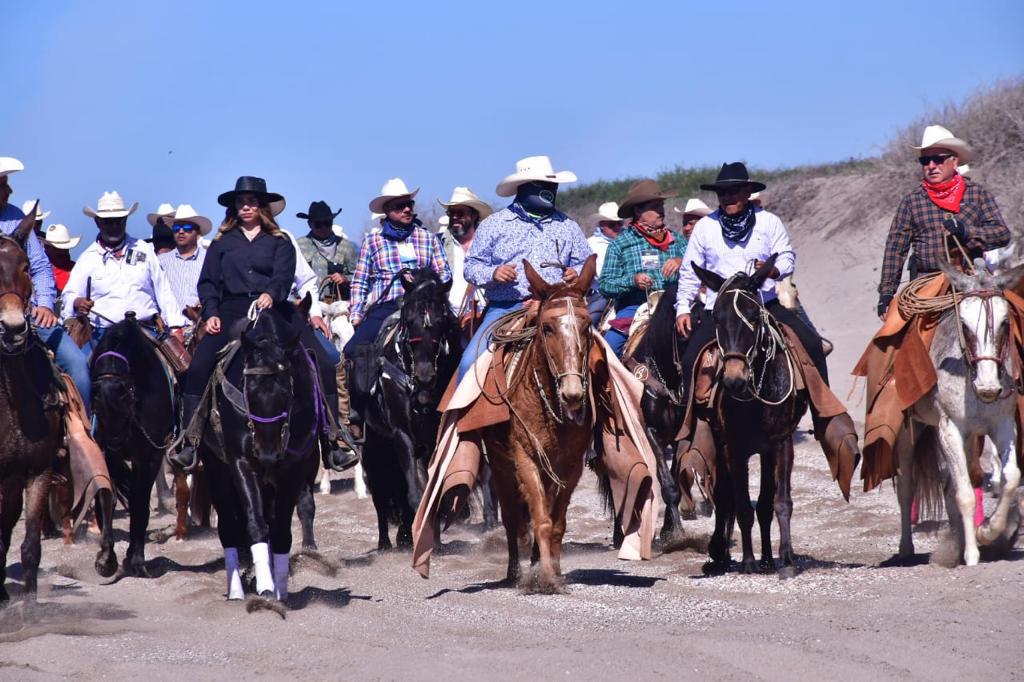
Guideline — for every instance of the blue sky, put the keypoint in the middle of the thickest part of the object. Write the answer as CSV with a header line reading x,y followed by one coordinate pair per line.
x,y
171,101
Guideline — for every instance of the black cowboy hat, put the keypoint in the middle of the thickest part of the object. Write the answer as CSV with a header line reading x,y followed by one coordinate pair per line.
x,y
733,175
319,211
248,184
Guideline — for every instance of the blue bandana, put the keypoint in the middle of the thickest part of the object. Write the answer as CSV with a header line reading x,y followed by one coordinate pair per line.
x,y
397,233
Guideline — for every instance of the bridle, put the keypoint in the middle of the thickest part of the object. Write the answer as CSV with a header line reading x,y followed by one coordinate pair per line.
x,y
970,352
405,344
125,379
579,346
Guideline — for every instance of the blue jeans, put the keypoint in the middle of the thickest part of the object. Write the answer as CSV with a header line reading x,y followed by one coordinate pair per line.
x,y
482,338
369,327
333,356
69,357
615,338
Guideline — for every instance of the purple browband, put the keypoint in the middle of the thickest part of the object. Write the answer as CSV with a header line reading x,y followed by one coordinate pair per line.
x,y
115,354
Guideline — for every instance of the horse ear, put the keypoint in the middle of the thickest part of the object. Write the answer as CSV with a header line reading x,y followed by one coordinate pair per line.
x,y
24,228
407,279
1009,279
712,280
447,286
959,280
538,286
305,304
587,274
761,274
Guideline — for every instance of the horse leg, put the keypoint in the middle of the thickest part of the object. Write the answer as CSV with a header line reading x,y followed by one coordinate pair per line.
x,y
281,535
718,547
532,488
11,492
905,486
766,502
31,547
673,525
1005,438
405,454
489,496
181,498
744,510
162,490
306,507
144,473
200,500
783,508
954,450
254,520
511,515
215,479
106,559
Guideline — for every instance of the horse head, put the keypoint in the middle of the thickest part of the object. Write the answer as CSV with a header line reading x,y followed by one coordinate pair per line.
x,y
983,316
15,286
269,346
737,319
563,329
114,395
430,331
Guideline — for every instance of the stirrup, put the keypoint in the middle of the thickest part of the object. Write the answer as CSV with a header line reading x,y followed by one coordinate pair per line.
x,y
185,458
337,458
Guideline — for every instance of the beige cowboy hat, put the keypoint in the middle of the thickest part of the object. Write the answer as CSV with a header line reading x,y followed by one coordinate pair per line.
x,y
607,212
376,217
110,205
937,136
186,214
339,231
58,237
165,210
393,189
964,169
9,164
463,196
640,192
26,208
694,207
531,169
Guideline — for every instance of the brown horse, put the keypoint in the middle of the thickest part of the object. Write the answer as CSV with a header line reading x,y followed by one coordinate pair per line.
x,y
30,411
537,456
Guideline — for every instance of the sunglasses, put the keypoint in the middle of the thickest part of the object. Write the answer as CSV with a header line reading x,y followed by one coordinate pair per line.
x,y
183,227
460,213
937,159
401,205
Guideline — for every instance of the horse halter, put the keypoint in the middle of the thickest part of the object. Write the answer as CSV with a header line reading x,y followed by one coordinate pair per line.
x,y
970,351
584,353
125,378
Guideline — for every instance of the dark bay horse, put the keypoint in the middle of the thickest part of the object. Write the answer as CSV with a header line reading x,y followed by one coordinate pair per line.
x,y
756,411
133,404
260,445
664,399
30,412
537,456
402,418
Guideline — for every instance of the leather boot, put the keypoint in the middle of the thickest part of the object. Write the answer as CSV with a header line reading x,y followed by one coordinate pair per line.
x,y
337,456
838,438
186,457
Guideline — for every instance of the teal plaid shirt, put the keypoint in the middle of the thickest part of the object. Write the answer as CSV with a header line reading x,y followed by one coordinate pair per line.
x,y
629,254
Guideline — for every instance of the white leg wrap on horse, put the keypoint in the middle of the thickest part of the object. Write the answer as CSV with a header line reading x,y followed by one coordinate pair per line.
x,y
281,576
261,564
234,576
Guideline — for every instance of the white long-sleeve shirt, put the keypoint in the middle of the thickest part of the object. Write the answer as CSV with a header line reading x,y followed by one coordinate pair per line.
x,y
709,249
133,282
305,280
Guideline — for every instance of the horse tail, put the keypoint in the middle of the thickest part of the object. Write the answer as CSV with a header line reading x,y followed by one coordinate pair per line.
x,y
604,488
929,478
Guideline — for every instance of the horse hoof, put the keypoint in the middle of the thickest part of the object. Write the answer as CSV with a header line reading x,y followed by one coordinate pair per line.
x,y
106,568
748,567
787,572
767,566
715,567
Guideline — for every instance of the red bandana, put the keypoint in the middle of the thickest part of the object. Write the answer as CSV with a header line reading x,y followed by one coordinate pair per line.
x,y
659,239
947,195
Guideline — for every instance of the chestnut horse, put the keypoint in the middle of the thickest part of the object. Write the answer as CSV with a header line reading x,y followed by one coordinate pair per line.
x,y
537,455
30,411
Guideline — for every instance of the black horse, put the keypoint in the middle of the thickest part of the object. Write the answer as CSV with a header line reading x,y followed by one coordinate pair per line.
x,y
656,361
756,411
416,366
134,408
260,444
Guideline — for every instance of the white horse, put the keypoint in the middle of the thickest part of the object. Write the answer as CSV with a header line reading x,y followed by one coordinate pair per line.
x,y
336,317
975,396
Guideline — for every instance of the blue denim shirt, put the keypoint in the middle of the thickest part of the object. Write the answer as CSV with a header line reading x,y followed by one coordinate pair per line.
x,y
504,238
44,289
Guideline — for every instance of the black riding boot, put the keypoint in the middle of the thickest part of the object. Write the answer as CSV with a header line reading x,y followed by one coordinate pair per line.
x,y
337,456
187,455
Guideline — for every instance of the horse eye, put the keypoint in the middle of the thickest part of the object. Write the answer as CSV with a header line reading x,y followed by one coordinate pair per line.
x,y
547,329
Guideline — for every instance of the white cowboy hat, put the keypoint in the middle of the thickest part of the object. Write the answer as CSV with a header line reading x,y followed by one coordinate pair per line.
x,y
58,237
964,169
937,136
393,189
40,213
607,212
165,210
463,196
694,207
376,217
530,169
339,231
186,214
110,205
9,164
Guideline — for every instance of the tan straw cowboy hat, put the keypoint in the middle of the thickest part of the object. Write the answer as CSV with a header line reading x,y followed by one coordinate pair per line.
x,y
165,210
186,214
694,207
393,189
464,196
640,192
532,169
58,236
937,136
607,212
110,205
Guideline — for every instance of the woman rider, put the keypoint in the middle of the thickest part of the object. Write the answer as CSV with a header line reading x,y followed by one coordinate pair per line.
x,y
250,261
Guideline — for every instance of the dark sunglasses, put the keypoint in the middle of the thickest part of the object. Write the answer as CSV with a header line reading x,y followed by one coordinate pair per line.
x,y
460,213
937,159
401,205
183,227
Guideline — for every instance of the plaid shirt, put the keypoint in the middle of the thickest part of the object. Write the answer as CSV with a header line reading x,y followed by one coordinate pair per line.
x,y
379,261
625,258
918,224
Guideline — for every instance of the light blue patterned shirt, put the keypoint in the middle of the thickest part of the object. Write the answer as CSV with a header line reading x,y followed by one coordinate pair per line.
x,y
44,289
504,238
183,274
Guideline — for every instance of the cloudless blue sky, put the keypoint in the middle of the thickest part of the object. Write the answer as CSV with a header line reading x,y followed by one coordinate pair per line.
x,y
171,101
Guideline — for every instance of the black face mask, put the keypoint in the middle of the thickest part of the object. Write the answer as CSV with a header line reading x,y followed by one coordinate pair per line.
x,y
537,198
